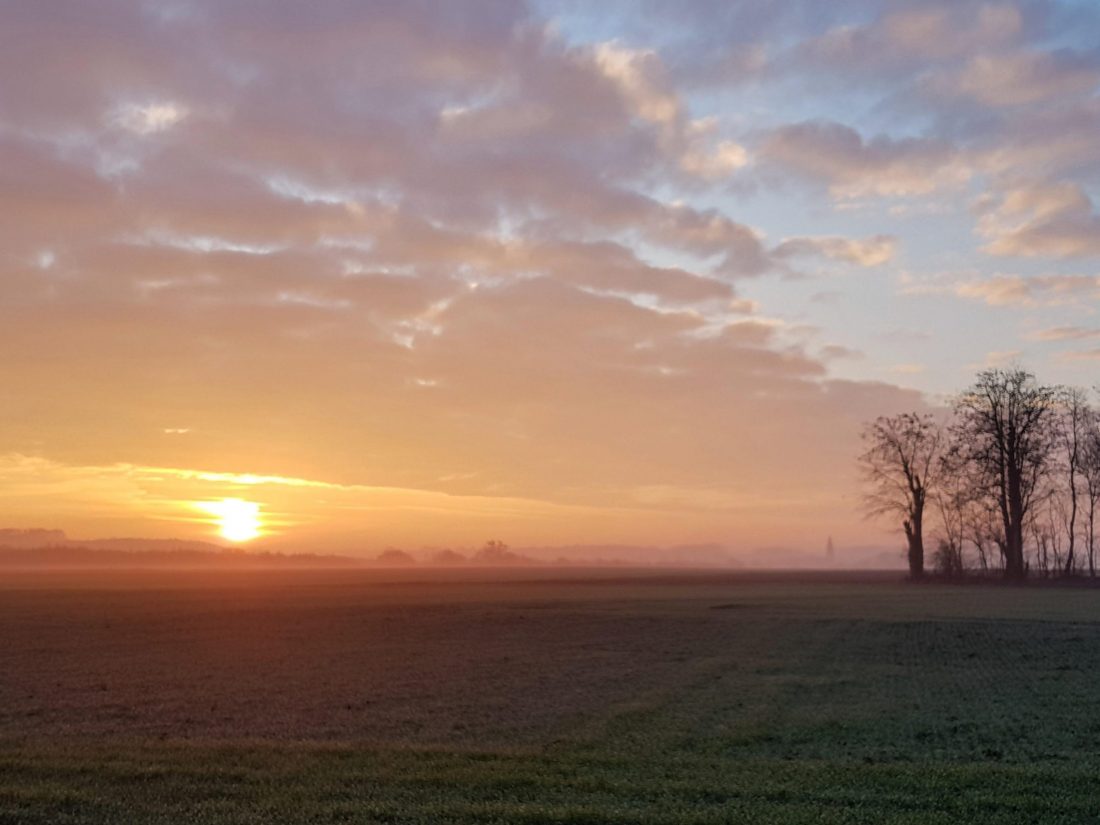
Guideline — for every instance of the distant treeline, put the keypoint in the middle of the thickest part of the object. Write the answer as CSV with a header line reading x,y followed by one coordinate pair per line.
x,y
52,549
494,553
1007,482
76,557
21,549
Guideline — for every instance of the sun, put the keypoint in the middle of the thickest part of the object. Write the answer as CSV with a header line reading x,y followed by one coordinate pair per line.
x,y
238,520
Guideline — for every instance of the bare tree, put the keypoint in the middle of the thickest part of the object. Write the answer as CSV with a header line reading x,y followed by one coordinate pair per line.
x,y
955,499
978,516
986,532
1004,422
1074,418
1090,470
1046,523
900,464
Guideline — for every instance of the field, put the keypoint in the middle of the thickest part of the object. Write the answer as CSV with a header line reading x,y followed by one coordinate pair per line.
x,y
541,696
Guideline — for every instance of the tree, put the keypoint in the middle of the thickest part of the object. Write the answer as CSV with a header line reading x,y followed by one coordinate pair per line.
x,y
1074,415
496,552
1091,472
985,531
967,514
393,557
947,560
954,498
448,557
900,465
1005,425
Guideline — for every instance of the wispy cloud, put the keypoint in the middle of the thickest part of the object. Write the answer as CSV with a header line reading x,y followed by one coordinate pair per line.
x,y
1063,334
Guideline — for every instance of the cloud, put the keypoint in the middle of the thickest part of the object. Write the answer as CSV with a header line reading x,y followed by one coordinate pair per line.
x,y
711,162
1040,219
1005,290
150,118
1046,290
1056,145
873,251
907,38
1000,358
1021,78
831,352
839,157
1063,334
1016,290
597,392
1002,290
641,77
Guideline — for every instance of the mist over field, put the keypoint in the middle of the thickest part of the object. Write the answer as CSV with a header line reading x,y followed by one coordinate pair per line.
x,y
53,548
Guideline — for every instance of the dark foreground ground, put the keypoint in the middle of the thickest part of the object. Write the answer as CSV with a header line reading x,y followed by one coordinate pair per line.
x,y
557,697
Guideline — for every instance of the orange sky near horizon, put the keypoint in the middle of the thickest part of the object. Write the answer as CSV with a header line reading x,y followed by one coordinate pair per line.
x,y
311,516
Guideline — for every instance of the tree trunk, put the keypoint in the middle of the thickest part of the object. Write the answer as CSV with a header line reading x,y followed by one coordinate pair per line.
x,y
1092,536
1090,530
914,535
1014,529
1072,523
1014,552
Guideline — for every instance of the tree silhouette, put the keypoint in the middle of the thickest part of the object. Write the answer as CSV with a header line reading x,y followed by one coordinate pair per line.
x,y
1072,436
900,465
496,552
1091,472
1005,428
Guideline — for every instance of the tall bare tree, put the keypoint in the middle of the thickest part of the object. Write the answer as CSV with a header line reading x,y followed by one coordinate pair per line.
x,y
1005,423
1091,472
1074,415
900,464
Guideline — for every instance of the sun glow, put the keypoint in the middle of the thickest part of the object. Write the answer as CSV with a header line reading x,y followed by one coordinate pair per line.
x,y
238,520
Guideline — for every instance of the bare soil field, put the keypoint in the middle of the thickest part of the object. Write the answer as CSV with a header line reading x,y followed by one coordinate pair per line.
x,y
544,696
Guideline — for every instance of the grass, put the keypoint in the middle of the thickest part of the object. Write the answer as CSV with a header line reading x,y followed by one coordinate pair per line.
x,y
328,784
682,700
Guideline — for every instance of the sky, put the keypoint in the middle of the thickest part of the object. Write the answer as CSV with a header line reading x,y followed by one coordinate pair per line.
x,y
423,274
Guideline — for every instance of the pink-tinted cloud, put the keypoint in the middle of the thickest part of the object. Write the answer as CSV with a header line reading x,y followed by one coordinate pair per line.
x,y
851,167
872,251
1017,290
1053,220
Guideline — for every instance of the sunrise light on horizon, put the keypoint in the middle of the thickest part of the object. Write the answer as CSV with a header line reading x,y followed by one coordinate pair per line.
x,y
237,520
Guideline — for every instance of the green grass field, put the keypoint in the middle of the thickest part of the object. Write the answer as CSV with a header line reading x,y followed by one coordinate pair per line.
x,y
677,699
